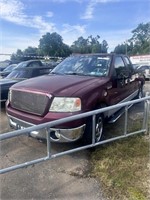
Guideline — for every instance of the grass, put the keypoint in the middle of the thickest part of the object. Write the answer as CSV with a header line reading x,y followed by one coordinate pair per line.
x,y
123,168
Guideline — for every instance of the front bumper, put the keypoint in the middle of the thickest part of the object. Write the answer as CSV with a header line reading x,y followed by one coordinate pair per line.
x,y
56,135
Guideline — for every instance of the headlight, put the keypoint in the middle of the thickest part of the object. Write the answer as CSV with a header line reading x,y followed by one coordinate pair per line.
x,y
9,95
65,104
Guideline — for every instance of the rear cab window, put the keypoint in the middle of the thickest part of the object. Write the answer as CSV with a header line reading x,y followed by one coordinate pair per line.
x,y
129,65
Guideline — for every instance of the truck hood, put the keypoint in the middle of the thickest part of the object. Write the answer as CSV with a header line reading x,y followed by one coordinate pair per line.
x,y
58,85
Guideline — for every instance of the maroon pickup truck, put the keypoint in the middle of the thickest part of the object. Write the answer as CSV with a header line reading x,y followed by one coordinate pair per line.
x,y
80,83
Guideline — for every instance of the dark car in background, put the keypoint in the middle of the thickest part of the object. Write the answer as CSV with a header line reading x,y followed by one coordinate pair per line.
x,y
50,64
30,63
7,70
17,75
4,64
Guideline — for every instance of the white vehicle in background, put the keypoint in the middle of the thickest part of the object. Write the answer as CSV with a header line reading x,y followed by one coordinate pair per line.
x,y
145,70
142,64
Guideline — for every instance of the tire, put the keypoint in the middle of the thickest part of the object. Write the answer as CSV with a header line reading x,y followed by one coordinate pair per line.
x,y
99,127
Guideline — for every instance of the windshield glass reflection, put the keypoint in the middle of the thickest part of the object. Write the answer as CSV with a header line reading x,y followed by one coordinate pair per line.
x,y
89,65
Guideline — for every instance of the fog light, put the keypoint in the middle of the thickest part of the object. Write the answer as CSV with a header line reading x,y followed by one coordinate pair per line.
x,y
57,133
34,132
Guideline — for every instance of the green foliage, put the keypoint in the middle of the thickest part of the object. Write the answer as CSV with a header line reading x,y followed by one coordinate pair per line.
x,y
31,51
20,56
120,49
49,45
89,45
139,43
119,166
52,45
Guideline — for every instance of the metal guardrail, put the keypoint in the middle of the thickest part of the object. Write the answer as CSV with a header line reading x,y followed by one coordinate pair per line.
x,y
48,125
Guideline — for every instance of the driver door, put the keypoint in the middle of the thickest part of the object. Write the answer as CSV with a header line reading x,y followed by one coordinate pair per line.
x,y
121,83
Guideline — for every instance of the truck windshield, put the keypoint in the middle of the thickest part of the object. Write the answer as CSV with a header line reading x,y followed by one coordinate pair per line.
x,y
84,65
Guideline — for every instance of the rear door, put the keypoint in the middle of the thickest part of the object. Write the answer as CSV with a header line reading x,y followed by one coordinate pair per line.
x,y
133,82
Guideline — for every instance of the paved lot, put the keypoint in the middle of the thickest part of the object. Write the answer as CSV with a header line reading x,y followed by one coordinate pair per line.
x,y
64,178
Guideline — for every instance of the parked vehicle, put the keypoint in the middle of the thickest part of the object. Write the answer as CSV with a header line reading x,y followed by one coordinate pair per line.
x,y
4,64
145,70
50,64
18,75
30,63
80,83
7,70
135,66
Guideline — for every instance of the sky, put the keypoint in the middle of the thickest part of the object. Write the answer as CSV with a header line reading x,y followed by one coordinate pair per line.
x,y
23,22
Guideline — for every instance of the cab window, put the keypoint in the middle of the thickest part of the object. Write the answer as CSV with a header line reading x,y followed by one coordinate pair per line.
x,y
129,65
120,68
119,63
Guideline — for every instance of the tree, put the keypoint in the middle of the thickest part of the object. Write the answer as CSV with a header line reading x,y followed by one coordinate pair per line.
x,y
89,45
31,51
120,49
80,46
104,46
141,33
27,54
139,43
52,45
65,50
95,45
141,39
17,57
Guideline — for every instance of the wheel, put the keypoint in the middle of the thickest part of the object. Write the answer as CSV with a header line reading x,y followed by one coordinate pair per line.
x,y
99,126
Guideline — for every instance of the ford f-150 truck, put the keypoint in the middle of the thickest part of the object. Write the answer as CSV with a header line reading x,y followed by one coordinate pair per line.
x,y
80,83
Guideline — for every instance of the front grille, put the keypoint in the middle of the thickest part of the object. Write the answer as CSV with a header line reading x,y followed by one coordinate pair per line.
x,y
34,103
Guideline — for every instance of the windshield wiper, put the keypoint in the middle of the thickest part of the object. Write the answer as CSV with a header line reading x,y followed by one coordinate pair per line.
x,y
76,73
55,73
72,73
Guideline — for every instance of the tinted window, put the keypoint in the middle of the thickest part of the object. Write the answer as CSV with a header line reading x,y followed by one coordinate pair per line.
x,y
127,60
119,63
129,65
121,70
43,71
40,71
21,65
34,64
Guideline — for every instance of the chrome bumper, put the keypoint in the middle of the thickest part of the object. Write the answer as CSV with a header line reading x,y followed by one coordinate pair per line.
x,y
56,135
